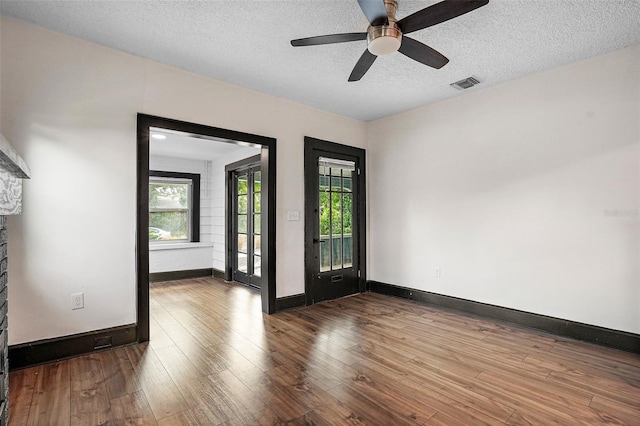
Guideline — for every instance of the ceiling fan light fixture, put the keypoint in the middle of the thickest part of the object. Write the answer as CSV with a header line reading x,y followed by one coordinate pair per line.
x,y
385,33
386,45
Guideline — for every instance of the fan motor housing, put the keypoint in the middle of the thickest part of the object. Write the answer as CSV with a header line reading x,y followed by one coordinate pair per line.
x,y
385,39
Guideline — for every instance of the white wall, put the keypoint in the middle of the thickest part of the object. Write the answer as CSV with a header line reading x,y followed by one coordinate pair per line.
x,y
69,107
218,197
508,191
164,257
506,188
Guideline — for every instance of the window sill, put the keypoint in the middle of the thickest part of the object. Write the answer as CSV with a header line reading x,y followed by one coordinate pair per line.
x,y
177,246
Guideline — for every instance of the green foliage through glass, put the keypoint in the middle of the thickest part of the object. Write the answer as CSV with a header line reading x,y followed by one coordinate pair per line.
x,y
168,226
335,201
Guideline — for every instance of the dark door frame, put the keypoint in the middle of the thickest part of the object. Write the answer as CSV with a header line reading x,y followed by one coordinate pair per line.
x,y
229,169
268,219
311,146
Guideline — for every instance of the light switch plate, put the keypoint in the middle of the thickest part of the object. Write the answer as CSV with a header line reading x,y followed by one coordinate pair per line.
x,y
293,214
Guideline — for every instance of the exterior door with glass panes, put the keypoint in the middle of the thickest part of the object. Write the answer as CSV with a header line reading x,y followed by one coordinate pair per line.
x,y
247,185
332,263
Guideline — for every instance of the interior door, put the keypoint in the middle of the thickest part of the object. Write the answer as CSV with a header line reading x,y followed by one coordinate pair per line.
x,y
333,213
246,211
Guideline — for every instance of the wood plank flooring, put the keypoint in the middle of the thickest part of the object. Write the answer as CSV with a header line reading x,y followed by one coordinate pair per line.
x,y
215,359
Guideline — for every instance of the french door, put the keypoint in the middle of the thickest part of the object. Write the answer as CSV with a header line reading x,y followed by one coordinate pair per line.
x,y
334,220
246,255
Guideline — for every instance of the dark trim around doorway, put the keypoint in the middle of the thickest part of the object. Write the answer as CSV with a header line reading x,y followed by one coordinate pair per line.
x,y
268,164
312,145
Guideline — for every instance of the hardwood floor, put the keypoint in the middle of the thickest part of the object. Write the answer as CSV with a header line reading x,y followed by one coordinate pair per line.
x,y
215,359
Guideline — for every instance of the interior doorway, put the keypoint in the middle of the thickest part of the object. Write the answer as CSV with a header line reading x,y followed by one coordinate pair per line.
x,y
267,164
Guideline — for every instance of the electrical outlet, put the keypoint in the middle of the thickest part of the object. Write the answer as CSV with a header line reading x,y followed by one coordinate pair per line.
x,y
437,272
77,301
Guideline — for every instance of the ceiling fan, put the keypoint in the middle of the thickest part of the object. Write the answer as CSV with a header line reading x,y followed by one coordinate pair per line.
x,y
386,35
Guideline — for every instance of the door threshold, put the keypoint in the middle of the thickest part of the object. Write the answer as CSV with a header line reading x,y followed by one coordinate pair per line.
x,y
252,287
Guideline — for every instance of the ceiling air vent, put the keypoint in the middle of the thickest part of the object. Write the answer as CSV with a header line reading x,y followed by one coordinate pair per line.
x,y
465,83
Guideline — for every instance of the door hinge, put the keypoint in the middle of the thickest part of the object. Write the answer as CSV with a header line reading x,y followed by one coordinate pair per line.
x,y
358,171
358,273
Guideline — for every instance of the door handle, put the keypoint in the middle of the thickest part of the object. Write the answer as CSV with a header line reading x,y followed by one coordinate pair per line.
x,y
316,241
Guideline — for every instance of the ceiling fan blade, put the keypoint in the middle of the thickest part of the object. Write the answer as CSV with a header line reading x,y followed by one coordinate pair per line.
x,y
439,12
329,39
375,11
422,53
362,66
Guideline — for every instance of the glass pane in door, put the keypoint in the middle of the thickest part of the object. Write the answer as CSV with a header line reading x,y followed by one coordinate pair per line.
x,y
242,184
242,243
256,223
257,181
325,255
256,245
242,223
257,266
256,178
242,204
347,241
325,221
242,262
335,210
336,248
347,255
336,213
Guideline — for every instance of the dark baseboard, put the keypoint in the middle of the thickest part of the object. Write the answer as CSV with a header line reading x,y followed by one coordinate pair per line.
x,y
157,277
221,275
290,302
622,340
48,350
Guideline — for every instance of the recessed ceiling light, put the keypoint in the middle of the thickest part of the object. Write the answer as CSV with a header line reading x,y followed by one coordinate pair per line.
x,y
158,136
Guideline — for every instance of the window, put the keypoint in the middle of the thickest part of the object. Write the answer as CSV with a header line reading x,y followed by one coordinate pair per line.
x,y
174,206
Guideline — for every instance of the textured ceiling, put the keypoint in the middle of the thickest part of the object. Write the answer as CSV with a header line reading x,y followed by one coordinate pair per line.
x,y
247,43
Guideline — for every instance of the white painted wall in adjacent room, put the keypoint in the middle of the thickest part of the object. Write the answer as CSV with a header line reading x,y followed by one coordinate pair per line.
x,y
525,194
164,256
180,257
70,108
